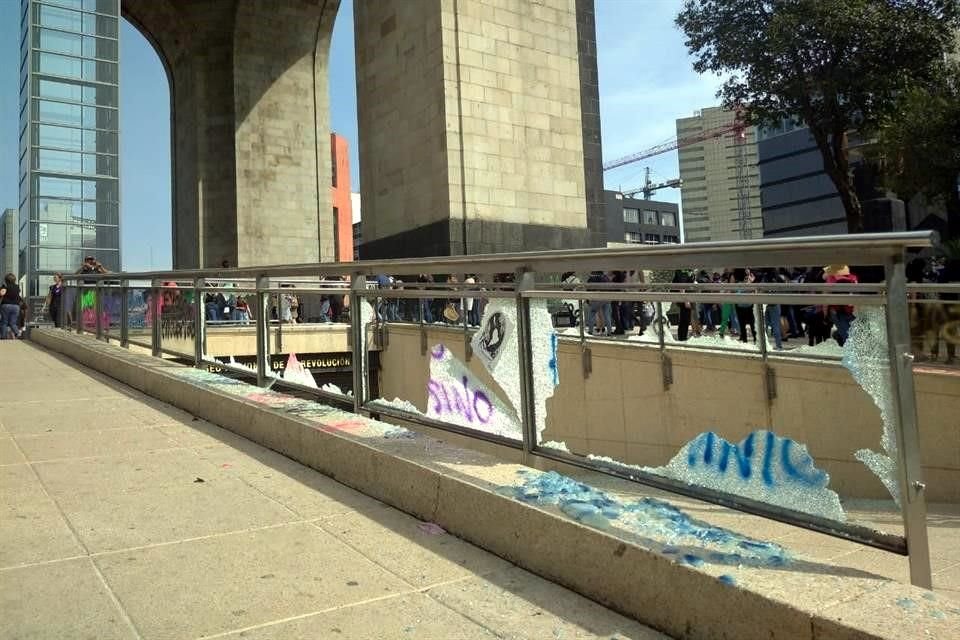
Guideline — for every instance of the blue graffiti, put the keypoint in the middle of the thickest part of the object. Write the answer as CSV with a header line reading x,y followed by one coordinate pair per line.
x,y
776,455
727,579
552,363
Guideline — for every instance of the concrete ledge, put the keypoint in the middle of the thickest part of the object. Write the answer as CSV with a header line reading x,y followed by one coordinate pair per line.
x,y
459,489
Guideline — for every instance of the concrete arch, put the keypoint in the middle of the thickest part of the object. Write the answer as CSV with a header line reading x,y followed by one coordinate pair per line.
x,y
248,84
479,126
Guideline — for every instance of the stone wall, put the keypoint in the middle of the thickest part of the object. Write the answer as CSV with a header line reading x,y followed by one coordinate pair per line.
x,y
509,135
249,92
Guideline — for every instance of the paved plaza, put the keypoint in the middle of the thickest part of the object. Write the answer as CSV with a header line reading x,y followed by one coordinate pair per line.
x,y
126,518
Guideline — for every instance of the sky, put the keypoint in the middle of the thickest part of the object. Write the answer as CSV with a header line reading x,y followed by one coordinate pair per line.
x,y
646,82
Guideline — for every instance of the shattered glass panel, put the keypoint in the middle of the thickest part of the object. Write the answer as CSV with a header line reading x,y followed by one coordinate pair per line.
x,y
763,466
865,357
705,420
457,396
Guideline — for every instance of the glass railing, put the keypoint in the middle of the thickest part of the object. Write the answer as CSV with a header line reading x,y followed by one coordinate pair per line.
x,y
781,399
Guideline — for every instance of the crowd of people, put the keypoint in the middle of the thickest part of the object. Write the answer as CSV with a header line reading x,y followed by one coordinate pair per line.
x,y
739,319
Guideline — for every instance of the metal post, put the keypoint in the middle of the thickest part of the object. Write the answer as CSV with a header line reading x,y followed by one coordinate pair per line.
x,y
156,334
199,322
62,311
904,415
77,308
98,308
263,331
586,354
124,313
280,322
422,326
358,284
524,282
467,347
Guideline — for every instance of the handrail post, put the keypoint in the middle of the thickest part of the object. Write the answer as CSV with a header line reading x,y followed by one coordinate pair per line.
x,y
524,282
358,284
62,311
98,308
913,504
199,322
156,301
124,313
263,331
78,308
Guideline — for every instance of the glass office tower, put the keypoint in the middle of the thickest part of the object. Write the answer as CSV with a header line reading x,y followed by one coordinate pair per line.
x,y
69,139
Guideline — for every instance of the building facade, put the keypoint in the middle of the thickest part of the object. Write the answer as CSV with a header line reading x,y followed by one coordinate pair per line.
x,y
69,139
9,234
797,196
636,221
710,186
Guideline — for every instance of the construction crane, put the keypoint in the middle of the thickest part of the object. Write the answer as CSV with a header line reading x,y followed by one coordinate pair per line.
x,y
739,130
649,187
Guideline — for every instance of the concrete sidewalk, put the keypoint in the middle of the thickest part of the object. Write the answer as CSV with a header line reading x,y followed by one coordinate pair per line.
x,y
126,518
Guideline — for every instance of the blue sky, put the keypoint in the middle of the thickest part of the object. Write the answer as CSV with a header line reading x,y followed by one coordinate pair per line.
x,y
646,82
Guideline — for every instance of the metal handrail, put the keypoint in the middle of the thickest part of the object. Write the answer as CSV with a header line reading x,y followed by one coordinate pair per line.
x,y
886,250
870,248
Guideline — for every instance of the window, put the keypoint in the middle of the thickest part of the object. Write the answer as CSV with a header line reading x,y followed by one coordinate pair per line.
x,y
649,217
74,44
63,89
631,215
651,238
59,18
671,239
668,219
631,236
70,138
76,188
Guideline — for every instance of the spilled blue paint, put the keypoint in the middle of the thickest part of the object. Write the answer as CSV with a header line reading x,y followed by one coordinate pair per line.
x,y
658,524
906,603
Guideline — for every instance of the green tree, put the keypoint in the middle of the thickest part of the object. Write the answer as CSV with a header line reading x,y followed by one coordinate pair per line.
x,y
919,144
835,65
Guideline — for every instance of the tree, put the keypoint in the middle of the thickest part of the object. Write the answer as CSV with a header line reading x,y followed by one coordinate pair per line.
x,y
919,145
836,65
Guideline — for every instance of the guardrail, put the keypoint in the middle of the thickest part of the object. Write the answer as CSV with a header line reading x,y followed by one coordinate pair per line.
x,y
173,304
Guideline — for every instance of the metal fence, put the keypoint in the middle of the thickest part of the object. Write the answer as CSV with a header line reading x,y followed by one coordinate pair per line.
x,y
171,305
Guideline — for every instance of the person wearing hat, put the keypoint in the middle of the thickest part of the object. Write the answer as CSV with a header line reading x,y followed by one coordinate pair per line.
x,y
841,315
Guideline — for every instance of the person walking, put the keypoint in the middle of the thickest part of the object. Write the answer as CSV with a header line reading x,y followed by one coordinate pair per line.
x,y
841,315
9,307
745,315
54,301
685,308
771,313
471,306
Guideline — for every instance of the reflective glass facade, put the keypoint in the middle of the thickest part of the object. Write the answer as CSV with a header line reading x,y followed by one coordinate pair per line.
x,y
69,138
